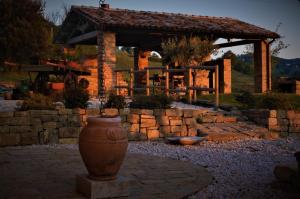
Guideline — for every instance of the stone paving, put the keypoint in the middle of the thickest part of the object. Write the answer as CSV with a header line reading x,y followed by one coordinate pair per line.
x,y
219,132
50,171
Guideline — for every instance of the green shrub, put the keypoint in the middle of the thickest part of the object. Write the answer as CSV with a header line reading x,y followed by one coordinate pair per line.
x,y
246,98
151,102
76,98
115,101
273,101
37,102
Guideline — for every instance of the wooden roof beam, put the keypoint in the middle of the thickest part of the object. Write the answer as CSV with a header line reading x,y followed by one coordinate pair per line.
x,y
236,43
82,38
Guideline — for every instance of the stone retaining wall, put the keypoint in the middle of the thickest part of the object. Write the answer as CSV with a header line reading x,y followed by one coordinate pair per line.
x,y
41,126
64,125
144,124
276,120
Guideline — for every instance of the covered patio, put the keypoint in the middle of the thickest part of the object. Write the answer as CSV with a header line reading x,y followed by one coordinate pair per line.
x,y
145,31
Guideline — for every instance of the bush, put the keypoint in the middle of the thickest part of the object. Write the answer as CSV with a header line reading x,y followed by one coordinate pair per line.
x,y
273,101
151,102
37,102
76,98
246,98
115,101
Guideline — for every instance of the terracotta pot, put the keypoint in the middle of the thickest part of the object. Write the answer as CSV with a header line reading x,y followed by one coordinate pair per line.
x,y
103,145
57,86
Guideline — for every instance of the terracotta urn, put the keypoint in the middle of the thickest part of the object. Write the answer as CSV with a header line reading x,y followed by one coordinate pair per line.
x,y
57,86
103,145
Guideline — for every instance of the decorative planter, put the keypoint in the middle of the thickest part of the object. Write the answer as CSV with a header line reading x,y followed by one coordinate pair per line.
x,y
103,145
57,86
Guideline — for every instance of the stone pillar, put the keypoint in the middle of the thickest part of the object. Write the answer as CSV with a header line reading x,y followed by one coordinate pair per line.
x,y
106,60
92,65
140,62
225,76
262,67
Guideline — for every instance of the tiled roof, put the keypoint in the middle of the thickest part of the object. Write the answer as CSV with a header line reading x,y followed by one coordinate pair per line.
x,y
219,26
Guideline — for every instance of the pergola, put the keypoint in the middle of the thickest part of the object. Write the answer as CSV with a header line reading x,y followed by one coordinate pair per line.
x,y
108,28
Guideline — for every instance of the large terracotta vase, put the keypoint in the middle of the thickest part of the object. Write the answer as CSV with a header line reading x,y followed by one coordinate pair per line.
x,y
103,145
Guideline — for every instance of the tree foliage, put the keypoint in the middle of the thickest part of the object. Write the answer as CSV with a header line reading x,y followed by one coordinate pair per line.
x,y
186,50
25,35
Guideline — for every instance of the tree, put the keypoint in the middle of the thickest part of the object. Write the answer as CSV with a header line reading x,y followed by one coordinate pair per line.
x,y
25,35
186,50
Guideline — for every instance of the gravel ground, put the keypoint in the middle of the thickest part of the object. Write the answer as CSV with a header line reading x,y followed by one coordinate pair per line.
x,y
242,169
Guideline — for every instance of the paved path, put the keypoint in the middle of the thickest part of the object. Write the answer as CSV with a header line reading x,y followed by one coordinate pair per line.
x,y
49,172
220,132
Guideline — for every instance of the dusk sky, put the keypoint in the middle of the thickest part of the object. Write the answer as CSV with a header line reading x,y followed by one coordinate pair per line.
x,y
264,13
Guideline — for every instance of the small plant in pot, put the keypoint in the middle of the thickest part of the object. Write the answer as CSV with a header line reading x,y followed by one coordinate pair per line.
x,y
113,105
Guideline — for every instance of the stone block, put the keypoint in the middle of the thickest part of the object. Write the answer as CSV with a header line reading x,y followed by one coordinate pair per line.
x,y
36,122
10,139
6,114
294,129
146,112
4,129
274,128
68,140
283,122
163,120
148,116
175,129
134,128
282,114
152,134
192,132
148,122
124,111
19,129
20,121
49,125
272,121
220,119
69,132
189,121
159,112
184,131
188,113
111,111
37,113
273,113
78,111
134,118
165,130
197,113
174,112
64,111
133,136
296,121
135,111
175,122
22,114
229,119
75,120
103,189
92,112
29,138
143,134
4,121
49,118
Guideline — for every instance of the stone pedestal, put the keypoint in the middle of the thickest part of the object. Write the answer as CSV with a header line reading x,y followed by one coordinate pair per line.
x,y
103,189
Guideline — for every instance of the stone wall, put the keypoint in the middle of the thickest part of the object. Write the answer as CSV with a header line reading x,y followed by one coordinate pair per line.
x,y
276,120
41,126
144,124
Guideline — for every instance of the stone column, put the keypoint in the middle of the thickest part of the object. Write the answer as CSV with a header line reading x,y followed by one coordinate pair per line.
x,y
140,62
225,76
106,60
262,67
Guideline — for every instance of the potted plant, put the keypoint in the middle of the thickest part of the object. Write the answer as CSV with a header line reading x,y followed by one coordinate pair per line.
x,y
57,84
103,145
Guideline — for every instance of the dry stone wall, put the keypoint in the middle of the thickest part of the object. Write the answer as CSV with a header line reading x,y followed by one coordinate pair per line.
x,y
285,121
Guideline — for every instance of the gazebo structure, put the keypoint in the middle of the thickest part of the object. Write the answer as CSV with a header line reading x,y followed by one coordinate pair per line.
x,y
108,28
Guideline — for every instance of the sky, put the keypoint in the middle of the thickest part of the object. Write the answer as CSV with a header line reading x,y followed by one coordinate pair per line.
x,y
264,13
